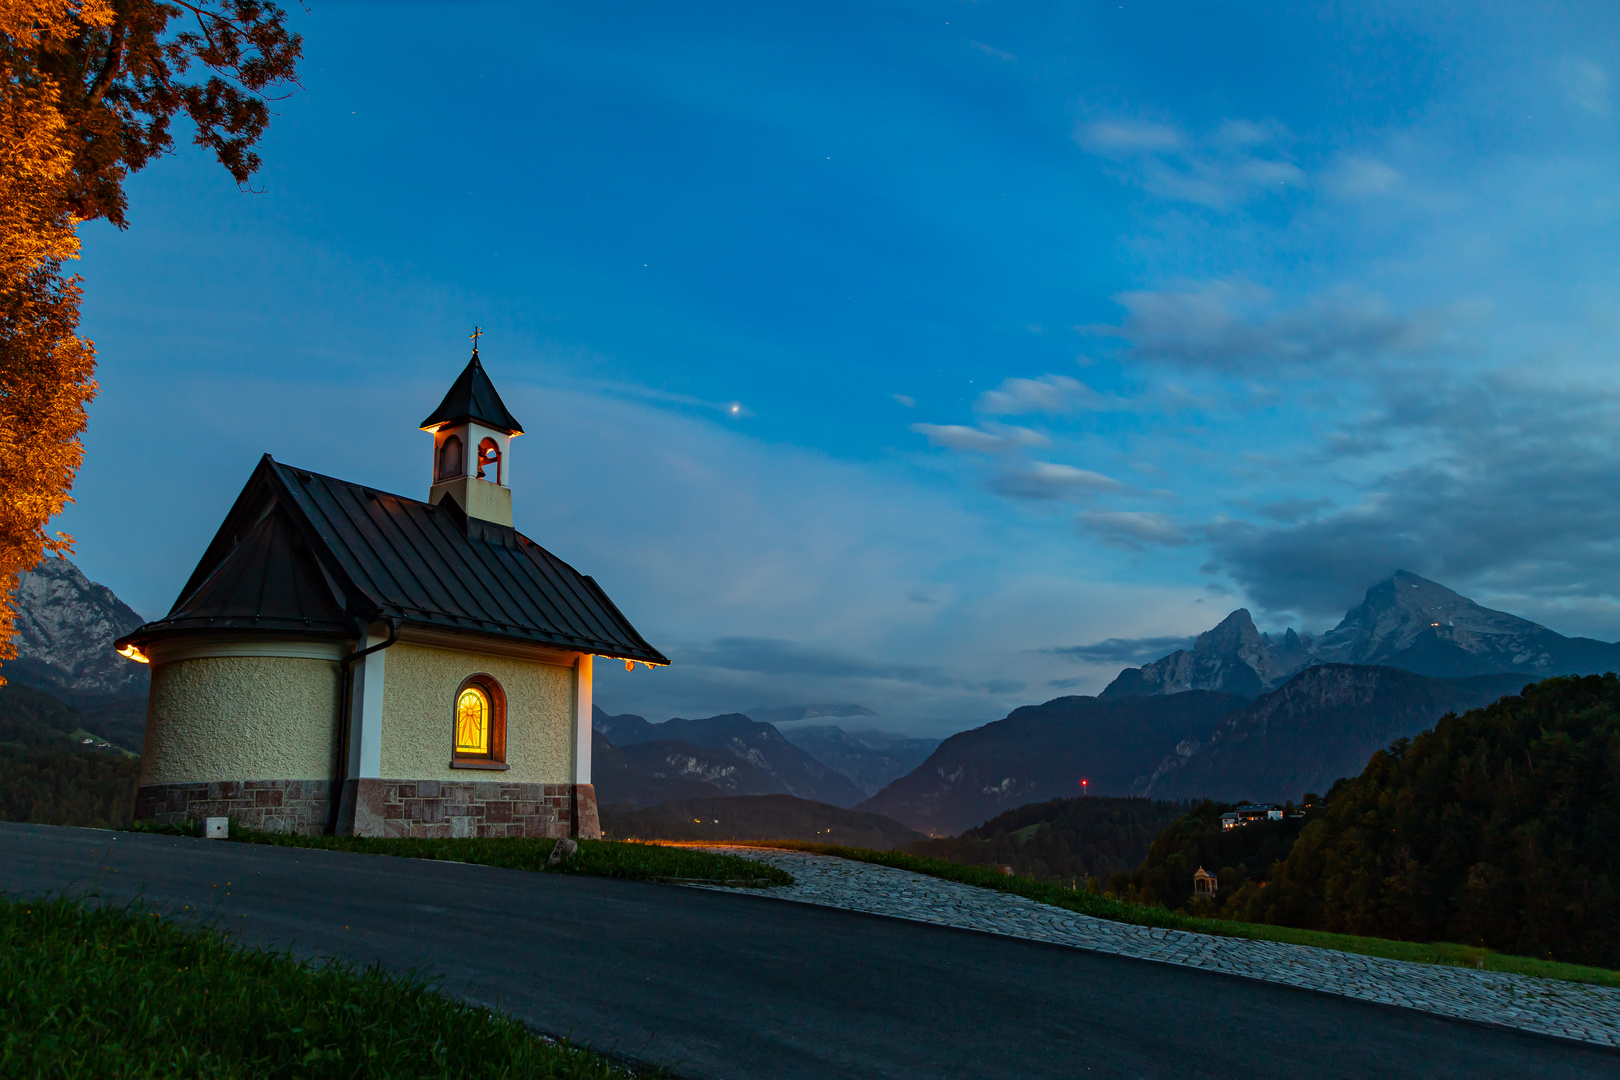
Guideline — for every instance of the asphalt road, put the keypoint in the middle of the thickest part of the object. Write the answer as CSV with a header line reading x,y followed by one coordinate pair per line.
x,y
720,985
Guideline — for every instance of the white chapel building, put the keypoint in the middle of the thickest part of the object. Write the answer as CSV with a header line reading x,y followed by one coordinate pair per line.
x,y
346,660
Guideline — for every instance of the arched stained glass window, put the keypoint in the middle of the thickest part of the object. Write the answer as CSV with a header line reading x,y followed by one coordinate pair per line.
x,y
478,724
473,716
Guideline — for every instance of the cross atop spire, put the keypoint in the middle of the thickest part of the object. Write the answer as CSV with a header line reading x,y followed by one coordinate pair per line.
x,y
477,333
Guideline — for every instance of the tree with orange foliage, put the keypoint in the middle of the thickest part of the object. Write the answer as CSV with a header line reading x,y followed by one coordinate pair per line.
x,y
88,89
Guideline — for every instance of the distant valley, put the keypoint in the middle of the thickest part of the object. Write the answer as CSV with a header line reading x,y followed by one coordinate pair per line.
x,y
756,817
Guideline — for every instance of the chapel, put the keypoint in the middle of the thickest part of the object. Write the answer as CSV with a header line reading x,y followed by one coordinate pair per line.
x,y
344,660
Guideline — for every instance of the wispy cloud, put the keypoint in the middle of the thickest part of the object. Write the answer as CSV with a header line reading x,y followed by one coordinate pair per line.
x,y
1585,83
1292,509
1517,490
1048,480
648,393
780,656
1357,176
1134,530
991,50
1235,162
1049,394
1124,650
1237,326
985,439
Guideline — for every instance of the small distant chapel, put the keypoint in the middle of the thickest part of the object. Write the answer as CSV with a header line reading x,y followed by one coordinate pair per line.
x,y
345,660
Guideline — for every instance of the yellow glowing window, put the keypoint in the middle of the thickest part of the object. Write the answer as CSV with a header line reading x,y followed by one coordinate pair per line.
x,y
472,722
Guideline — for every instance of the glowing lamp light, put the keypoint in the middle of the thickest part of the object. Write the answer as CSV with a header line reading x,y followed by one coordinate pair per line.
x,y
132,653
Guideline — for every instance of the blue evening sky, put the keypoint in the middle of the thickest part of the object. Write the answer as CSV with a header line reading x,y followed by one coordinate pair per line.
x,y
886,352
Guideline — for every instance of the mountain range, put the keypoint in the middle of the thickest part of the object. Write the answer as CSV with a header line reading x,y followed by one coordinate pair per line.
x,y
1239,715
1405,622
1321,725
1043,752
730,752
873,759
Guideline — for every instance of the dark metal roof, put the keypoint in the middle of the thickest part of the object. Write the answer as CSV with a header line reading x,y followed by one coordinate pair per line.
x,y
472,397
304,552
270,581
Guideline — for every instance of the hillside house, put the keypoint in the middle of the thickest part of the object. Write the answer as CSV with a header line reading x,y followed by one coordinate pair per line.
x,y
1247,815
347,660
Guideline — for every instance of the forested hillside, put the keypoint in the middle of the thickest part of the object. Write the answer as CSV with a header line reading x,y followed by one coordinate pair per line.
x,y
47,772
1063,840
1498,828
1241,859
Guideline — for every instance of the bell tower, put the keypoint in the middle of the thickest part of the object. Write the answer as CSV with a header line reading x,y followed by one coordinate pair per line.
x,y
472,432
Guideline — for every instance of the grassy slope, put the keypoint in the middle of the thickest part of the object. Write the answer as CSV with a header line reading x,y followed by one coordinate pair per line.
x,y
1105,907
603,858
120,993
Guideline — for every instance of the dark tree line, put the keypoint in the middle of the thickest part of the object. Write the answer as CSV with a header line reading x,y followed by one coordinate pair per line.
x,y
1063,840
1497,828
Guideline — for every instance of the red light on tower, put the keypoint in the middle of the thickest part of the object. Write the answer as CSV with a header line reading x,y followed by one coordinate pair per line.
x,y
1083,788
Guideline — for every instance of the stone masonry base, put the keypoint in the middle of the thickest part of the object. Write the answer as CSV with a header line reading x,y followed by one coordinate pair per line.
x,y
296,806
444,808
419,808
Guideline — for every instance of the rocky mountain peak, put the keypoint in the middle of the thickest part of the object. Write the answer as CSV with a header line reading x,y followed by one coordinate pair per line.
x,y
1235,634
1234,657
66,625
1403,608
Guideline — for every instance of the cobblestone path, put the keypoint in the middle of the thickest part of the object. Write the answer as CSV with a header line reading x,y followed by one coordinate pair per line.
x,y
1547,1006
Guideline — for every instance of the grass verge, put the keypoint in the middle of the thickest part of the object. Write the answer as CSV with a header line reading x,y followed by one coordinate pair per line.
x,y
1105,907
119,993
601,858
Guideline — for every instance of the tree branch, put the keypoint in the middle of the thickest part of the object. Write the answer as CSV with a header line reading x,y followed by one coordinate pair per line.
x,y
109,70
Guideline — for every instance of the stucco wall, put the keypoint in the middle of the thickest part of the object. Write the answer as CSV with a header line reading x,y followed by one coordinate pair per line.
x,y
241,718
419,693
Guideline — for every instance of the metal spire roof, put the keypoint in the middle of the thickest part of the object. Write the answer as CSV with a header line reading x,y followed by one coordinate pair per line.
x,y
472,397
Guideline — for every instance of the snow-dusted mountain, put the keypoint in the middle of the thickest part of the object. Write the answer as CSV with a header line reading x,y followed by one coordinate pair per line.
x,y
1234,657
1405,622
66,625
